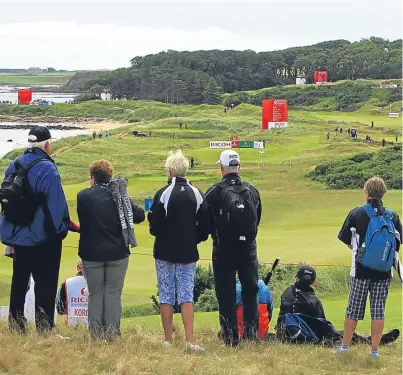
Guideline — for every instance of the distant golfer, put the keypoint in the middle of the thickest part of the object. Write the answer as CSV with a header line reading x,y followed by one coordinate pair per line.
x,y
192,162
372,124
94,134
328,135
383,142
370,272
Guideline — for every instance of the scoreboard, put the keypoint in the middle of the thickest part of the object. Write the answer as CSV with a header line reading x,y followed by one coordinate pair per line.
x,y
274,113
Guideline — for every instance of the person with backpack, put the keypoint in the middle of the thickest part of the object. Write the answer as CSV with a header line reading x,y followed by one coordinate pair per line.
x,y
235,211
36,220
301,310
107,216
373,232
179,221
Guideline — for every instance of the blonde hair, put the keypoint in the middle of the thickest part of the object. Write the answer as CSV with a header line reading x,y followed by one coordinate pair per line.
x,y
177,163
375,187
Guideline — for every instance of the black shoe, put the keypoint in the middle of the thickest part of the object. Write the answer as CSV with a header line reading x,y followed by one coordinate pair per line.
x,y
390,336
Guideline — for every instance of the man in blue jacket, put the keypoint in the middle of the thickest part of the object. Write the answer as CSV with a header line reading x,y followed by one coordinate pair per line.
x,y
38,246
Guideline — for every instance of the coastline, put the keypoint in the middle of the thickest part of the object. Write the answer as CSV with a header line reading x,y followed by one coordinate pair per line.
x,y
74,122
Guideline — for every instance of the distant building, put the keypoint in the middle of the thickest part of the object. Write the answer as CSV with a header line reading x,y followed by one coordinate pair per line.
x,y
34,70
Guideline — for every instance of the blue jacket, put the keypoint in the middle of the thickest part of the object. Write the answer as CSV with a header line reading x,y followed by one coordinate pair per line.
x,y
43,178
264,295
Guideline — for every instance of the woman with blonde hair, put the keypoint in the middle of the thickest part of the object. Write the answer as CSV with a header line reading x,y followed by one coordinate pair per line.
x,y
107,216
179,220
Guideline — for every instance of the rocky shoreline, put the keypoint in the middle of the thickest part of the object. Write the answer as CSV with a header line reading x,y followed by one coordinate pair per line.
x,y
54,122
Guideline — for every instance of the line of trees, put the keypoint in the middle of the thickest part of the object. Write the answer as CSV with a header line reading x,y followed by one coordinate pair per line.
x,y
201,76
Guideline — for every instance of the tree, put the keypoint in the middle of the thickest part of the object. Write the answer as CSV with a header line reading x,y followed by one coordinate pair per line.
x,y
211,95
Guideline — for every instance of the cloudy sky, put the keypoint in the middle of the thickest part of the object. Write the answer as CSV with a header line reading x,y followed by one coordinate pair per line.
x,y
91,34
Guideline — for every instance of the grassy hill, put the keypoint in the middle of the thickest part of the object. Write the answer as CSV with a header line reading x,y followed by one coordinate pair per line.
x,y
301,219
58,78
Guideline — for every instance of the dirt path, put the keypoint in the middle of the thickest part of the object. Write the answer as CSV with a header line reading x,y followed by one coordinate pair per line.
x,y
62,150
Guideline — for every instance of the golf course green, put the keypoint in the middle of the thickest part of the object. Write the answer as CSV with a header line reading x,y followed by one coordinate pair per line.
x,y
301,218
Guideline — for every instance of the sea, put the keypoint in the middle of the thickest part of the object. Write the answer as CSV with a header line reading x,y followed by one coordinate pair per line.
x,y
10,94
11,139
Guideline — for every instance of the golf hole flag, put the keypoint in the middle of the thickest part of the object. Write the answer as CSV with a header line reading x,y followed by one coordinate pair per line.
x,y
274,113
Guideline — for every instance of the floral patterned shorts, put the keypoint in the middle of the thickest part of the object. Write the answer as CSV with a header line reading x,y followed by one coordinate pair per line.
x,y
171,275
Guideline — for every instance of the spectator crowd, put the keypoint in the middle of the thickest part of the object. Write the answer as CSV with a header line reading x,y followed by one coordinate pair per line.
x,y
36,220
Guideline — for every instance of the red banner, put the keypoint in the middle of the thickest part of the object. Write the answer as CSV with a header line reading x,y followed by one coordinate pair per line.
x,y
274,113
234,141
319,77
24,96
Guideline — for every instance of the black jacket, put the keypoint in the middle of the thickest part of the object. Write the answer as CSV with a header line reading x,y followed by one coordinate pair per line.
x,y
179,220
215,205
301,300
359,220
101,237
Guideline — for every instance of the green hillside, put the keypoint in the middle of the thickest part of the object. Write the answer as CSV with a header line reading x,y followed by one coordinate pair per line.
x,y
301,218
58,78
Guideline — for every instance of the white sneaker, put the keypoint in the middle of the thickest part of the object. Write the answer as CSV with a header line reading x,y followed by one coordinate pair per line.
x,y
195,348
63,337
340,350
167,343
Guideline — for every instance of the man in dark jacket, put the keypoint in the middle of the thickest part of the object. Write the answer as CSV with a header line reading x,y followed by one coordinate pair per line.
x,y
232,255
300,298
364,280
179,220
38,247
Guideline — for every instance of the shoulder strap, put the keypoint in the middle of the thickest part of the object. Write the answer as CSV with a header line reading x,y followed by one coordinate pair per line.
x,y
32,163
389,213
369,210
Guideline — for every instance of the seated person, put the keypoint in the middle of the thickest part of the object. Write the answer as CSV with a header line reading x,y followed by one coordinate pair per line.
x,y
72,298
300,298
265,309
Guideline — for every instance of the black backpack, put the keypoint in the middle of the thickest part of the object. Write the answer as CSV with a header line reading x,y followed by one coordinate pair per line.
x,y
18,202
237,218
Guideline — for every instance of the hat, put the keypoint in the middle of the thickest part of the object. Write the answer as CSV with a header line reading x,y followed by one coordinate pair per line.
x,y
39,133
229,158
306,274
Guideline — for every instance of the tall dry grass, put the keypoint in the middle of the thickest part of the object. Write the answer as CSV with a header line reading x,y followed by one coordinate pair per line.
x,y
141,352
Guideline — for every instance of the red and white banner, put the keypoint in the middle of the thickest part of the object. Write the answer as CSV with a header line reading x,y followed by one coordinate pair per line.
x,y
274,113
234,141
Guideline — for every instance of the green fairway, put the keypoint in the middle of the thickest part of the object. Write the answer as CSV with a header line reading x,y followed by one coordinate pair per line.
x,y
301,218
59,78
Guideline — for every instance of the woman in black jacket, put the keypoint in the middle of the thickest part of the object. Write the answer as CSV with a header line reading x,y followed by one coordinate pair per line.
x,y
106,219
179,220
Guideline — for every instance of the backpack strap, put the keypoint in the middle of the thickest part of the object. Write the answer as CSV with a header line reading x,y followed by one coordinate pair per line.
x,y
369,210
389,213
32,163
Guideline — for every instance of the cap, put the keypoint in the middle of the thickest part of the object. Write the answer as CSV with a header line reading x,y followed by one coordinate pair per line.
x,y
39,133
306,274
229,158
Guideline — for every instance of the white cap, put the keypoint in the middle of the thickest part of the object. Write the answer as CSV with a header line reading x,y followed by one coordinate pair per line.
x,y
229,158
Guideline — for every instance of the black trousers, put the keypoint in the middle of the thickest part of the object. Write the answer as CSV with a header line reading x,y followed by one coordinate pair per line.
x,y
43,262
225,269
